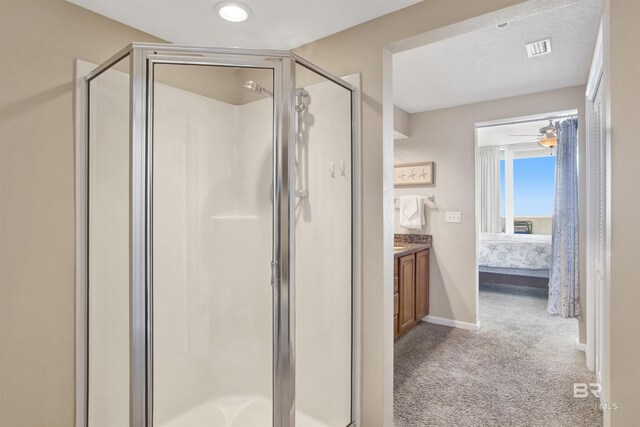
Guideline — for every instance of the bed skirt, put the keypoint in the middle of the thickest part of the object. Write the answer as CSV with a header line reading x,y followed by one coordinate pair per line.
x,y
514,276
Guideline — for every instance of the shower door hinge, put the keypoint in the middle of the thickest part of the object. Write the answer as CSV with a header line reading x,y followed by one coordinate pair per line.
x,y
274,274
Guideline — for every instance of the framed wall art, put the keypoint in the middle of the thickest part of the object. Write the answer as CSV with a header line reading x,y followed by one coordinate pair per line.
x,y
406,174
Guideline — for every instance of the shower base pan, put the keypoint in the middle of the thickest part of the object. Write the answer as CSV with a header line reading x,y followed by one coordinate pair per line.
x,y
239,411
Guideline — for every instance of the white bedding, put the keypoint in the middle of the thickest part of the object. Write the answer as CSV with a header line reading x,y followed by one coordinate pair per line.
x,y
530,251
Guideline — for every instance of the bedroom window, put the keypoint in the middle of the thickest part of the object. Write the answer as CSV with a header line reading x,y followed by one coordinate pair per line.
x,y
527,176
533,188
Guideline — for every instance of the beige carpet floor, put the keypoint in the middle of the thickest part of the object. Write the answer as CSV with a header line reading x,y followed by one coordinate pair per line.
x,y
518,370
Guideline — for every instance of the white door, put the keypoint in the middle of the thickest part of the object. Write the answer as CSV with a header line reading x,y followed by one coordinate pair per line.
x,y
598,169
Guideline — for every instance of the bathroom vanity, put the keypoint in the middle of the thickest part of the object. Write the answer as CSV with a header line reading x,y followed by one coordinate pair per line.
x,y
410,283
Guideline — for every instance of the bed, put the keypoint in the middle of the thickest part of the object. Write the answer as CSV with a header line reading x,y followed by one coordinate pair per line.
x,y
514,259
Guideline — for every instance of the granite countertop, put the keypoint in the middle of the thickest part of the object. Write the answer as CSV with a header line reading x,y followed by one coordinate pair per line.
x,y
410,248
408,244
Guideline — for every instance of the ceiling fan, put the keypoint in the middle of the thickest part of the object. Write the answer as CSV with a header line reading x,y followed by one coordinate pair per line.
x,y
547,136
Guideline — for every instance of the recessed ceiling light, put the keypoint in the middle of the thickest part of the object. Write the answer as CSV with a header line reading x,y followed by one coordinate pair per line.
x,y
233,11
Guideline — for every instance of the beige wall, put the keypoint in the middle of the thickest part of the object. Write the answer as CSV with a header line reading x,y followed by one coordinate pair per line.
x,y
38,43
447,137
622,68
401,123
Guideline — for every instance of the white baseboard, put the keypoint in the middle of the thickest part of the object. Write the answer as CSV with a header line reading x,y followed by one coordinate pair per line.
x,y
580,346
452,323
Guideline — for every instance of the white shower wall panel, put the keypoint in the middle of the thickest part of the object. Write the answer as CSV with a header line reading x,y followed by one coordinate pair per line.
x,y
323,259
212,248
109,251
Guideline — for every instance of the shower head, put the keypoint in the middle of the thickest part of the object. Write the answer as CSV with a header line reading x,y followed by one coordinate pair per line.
x,y
257,88
251,85
301,93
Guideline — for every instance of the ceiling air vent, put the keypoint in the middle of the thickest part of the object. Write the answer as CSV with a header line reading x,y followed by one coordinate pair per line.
x,y
541,47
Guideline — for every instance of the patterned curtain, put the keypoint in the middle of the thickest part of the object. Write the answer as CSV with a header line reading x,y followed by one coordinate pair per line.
x,y
564,292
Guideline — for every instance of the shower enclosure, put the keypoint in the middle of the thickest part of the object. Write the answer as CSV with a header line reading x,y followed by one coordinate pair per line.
x,y
218,251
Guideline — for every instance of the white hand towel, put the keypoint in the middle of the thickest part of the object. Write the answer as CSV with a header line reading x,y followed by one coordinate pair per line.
x,y
411,212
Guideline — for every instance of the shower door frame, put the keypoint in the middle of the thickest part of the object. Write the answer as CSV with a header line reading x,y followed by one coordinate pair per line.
x,y
143,58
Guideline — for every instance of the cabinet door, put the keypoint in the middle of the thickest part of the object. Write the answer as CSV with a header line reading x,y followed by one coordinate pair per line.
x,y
422,284
406,276
396,298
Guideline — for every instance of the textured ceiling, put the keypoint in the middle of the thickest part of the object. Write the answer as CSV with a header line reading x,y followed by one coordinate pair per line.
x,y
275,24
493,63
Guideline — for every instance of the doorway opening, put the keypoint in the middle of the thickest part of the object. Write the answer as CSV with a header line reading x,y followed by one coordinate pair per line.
x,y
445,84
516,177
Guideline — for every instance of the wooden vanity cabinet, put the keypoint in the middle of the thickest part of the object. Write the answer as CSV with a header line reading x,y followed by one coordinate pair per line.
x,y
411,290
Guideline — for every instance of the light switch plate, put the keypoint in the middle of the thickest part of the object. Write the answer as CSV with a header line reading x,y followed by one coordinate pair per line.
x,y
453,217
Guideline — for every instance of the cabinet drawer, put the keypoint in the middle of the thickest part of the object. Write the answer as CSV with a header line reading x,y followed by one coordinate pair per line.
x,y
396,304
395,284
395,266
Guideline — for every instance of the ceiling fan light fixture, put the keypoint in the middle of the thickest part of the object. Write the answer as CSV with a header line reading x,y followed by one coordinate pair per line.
x,y
233,11
548,142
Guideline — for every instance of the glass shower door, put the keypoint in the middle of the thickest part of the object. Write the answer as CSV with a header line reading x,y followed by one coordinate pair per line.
x,y
323,252
213,156
108,247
